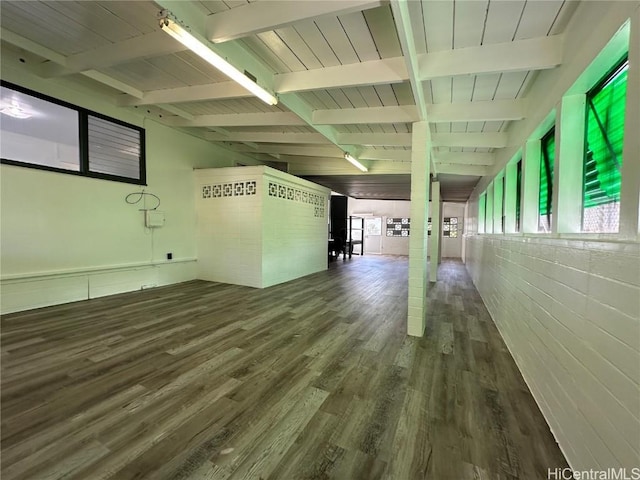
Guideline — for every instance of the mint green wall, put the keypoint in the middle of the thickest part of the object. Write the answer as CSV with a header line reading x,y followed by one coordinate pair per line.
x,y
53,223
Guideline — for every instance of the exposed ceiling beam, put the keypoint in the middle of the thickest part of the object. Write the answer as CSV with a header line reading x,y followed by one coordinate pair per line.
x,y
176,111
31,46
234,52
373,72
44,52
495,110
258,17
349,116
304,150
113,83
402,18
241,57
479,140
464,158
151,44
239,120
195,93
262,137
520,55
375,139
388,155
457,169
328,152
532,54
336,166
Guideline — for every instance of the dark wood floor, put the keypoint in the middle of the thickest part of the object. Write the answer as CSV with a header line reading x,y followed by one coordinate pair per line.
x,y
312,379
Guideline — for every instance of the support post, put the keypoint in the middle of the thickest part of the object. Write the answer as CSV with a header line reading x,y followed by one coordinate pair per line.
x,y
420,163
434,241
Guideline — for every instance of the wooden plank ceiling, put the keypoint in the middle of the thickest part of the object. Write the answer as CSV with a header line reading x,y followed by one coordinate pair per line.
x,y
343,81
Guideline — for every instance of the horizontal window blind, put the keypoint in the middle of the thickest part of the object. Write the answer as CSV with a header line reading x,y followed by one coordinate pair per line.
x,y
113,149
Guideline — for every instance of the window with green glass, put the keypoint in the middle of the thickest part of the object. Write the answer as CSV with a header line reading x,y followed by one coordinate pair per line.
x,y
547,154
482,207
603,151
518,192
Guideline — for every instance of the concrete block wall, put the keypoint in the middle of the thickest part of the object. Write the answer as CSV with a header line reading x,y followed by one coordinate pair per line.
x,y
569,312
295,230
258,226
229,225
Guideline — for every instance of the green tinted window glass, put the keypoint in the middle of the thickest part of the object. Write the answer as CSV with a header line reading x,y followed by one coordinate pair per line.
x,y
605,135
546,173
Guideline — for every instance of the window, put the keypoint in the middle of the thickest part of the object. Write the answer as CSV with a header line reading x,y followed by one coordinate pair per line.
x,y
41,132
545,196
603,152
518,192
450,227
504,211
482,209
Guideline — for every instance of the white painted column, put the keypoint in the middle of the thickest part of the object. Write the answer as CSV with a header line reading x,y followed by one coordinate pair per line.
x,y
530,187
488,228
420,172
497,205
510,192
568,175
630,189
434,241
482,213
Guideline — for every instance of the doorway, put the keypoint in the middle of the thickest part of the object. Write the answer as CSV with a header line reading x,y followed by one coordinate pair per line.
x,y
373,235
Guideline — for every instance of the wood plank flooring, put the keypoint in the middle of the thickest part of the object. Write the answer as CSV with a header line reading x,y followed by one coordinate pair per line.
x,y
312,379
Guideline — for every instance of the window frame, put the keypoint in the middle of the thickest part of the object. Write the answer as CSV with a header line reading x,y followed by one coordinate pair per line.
x,y
617,67
83,136
544,159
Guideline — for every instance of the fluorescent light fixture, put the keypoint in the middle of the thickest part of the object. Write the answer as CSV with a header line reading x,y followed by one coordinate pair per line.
x,y
15,111
202,50
355,162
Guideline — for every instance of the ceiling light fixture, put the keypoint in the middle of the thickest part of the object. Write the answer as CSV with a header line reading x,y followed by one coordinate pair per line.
x,y
179,33
15,111
355,162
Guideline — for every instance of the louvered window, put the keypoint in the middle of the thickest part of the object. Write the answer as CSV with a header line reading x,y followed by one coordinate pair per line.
x,y
482,209
603,152
114,149
548,145
518,192
41,132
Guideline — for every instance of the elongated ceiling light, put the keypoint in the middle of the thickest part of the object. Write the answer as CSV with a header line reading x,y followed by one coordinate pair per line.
x,y
196,46
355,162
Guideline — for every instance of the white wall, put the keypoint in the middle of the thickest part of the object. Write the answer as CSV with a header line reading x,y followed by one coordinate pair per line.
x,y
67,238
276,234
229,233
568,304
385,209
295,236
570,315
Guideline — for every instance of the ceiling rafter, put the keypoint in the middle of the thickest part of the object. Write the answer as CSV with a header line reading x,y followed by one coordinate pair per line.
x,y
465,158
495,110
472,140
520,55
149,45
402,18
263,137
238,120
259,17
44,52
